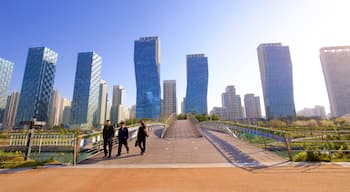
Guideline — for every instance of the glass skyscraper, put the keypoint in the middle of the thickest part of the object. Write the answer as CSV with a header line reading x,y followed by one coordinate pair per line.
x,y
6,69
277,80
86,89
37,85
147,64
336,69
197,84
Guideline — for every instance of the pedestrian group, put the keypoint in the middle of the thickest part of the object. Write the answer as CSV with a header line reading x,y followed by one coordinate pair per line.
x,y
123,136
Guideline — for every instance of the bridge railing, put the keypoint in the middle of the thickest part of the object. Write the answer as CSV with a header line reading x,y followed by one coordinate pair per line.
x,y
304,144
272,140
168,123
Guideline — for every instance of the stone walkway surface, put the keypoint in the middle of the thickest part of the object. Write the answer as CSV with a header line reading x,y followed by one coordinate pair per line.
x,y
184,161
182,145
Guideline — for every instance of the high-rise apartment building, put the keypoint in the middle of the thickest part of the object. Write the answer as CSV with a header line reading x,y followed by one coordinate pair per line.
x,y
9,121
102,103
252,106
232,103
54,109
118,104
65,111
169,94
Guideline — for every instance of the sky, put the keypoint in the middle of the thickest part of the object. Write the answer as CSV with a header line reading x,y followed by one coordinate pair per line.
x,y
226,31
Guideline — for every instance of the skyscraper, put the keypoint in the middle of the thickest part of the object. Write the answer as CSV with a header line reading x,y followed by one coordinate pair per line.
x,y
197,84
147,64
232,103
169,94
37,85
54,109
277,80
9,121
336,69
118,103
6,69
64,113
183,106
102,103
86,89
252,106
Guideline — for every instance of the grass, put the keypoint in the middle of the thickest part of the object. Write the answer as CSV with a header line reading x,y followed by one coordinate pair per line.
x,y
16,160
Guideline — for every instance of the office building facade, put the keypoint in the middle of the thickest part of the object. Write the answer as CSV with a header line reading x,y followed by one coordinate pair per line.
x,y
197,84
37,85
84,109
6,70
336,69
147,72
277,80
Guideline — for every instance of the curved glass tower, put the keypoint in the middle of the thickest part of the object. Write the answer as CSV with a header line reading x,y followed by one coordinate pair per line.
x,y
146,60
37,85
197,84
277,80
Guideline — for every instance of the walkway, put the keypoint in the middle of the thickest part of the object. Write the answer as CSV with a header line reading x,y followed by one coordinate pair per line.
x,y
313,178
182,145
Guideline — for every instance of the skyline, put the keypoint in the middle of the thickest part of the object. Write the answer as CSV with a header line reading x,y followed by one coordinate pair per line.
x,y
231,48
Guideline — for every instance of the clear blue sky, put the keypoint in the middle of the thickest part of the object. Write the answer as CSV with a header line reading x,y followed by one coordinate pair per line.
x,y
227,31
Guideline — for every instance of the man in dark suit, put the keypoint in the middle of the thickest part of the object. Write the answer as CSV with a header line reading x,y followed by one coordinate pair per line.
x,y
108,134
123,136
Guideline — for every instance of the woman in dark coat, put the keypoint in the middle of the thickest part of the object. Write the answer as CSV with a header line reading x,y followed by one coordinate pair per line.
x,y
141,137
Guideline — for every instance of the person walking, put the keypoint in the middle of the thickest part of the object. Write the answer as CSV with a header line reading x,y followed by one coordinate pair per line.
x,y
141,137
108,134
123,136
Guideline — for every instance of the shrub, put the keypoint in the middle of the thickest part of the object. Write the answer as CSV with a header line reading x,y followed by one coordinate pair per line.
x,y
301,156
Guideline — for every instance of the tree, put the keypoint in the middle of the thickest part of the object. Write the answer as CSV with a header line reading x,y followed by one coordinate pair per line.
x,y
276,123
214,117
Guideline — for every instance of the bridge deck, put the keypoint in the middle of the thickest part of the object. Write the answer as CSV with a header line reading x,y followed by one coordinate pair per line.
x,y
183,145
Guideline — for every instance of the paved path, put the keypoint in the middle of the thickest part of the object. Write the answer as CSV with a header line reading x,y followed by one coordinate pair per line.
x,y
182,129
313,178
183,146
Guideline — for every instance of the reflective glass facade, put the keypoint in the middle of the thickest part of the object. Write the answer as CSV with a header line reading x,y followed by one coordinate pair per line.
x,y
336,69
277,80
37,85
197,84
147,63
6,69
86,89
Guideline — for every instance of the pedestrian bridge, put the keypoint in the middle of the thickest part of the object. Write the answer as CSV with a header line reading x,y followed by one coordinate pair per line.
x,y
185,144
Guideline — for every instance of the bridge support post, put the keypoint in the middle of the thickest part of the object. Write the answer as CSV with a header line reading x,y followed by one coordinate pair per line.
x,y
288,145
29,142
76,149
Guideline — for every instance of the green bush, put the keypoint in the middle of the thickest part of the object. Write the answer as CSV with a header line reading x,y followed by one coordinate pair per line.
x,y
301,156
